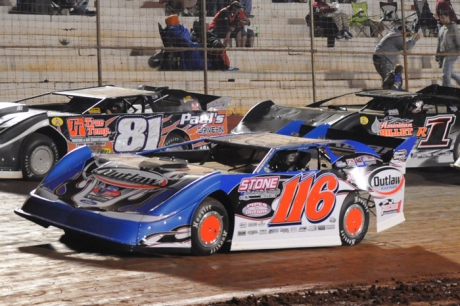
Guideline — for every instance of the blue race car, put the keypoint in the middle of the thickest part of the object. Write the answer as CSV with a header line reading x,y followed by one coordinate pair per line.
x,y
245,192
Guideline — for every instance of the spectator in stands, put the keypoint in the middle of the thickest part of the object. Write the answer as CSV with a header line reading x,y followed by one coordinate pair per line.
x,y
182,5
387,50
247,7
394,79
449,43
340,18
242,22
213,6
223,27
445,6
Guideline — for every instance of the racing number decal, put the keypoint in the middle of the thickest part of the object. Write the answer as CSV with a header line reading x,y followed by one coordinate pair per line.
x,y
315,198
137,134
438,129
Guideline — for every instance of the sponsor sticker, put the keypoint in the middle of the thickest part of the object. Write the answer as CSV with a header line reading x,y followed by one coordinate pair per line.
x,y
386,180
256,209
390,207
363,120
57,121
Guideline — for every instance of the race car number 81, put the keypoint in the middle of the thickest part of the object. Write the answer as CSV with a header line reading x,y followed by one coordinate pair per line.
x,y
137,134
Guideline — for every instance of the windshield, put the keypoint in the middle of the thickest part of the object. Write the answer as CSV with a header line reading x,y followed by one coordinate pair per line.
x,y
243,158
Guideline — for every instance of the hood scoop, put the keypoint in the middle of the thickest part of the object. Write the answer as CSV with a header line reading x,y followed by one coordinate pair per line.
x,y
164,163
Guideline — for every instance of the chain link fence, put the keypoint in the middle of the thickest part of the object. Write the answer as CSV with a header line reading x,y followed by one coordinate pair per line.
x,y
48,45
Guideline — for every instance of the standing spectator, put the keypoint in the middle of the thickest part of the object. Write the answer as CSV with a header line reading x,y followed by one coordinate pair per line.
x,y
445,6
213,6
247,7
182,5
387,50
221,25
449,43
341,19
394,79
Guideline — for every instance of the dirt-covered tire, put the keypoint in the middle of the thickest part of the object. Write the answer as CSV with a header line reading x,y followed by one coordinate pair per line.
x,y
354,220
457,148
39,154
174,138
209,227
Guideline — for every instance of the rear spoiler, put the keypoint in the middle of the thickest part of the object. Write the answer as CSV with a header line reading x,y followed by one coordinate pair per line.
x,y
384,146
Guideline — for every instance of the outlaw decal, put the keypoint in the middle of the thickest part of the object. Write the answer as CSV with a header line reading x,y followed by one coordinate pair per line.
x,y
306,195
130,178
386,181
256,209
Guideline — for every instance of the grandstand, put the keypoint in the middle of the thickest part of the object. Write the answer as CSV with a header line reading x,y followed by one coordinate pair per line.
x,y
51,52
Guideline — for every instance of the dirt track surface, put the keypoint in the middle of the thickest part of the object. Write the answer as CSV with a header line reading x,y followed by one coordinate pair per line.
x,y
417,262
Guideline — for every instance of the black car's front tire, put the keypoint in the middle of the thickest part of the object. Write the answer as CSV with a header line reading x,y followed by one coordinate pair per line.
x,y
209,227
354,220
39,154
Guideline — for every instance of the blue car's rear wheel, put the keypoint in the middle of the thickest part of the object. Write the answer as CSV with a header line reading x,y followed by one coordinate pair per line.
x,y
39,154
209,227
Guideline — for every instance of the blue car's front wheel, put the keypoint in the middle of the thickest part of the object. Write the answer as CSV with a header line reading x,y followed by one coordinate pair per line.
x,y
209,227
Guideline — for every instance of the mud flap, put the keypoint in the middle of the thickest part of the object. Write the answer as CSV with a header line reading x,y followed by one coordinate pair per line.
x,y
387,185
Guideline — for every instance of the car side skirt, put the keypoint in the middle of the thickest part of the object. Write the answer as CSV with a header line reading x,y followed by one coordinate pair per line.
x,y
287,243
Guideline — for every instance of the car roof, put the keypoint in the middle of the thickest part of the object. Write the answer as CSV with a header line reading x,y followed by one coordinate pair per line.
x,y
105,92
266,140
387,93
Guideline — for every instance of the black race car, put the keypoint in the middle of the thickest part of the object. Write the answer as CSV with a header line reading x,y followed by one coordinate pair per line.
x,y
429,114
37,131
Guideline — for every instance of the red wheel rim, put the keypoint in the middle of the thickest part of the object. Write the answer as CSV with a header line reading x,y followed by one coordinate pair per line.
x,y
354,220
210,229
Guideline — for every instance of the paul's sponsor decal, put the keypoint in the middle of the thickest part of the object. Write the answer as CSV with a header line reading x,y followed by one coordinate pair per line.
x,y
206,118
386,180
256,209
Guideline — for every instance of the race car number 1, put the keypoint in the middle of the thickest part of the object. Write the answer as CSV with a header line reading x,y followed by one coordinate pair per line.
x,y
137,134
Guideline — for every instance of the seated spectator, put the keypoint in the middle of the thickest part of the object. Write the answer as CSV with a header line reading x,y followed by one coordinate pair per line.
x,y
222,27
181,5
217,56
242,22
341,19
177,35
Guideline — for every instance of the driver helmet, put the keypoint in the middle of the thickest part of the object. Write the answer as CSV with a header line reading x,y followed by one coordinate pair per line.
x,y
116,107
289,158
416,107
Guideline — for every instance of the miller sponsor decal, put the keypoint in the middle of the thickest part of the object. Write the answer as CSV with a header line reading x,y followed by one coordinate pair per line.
x,y
256,209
